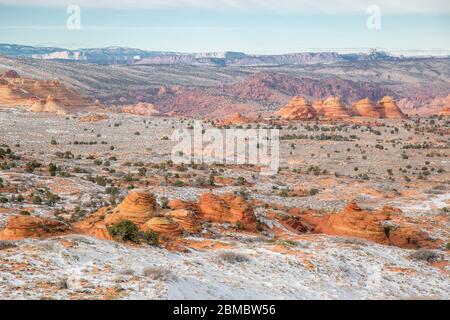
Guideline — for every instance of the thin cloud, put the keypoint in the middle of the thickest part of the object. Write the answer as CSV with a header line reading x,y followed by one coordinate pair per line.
x,y
279,6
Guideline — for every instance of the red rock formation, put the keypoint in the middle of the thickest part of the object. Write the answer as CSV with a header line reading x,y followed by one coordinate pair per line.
x,y
234,119
188,220
445,112
20,227
142,109
388,109
318,107
297,109
93,117
366,108
384,226
94,225
177,204
39,95
138,206
164,226
227,208
334,109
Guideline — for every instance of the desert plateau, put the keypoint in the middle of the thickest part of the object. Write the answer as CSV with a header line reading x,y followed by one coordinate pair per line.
x,y
270,172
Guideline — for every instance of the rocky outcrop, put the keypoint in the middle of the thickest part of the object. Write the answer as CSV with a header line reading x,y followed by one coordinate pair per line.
x,y
388,109
333,108
94,225
39,95
138,206
93,117
228,208
20,227
366,108
384,226
141,108
297,109
164,226
234,119
187,219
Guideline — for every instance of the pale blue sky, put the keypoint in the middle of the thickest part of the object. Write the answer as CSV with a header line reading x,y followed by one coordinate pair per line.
x,y
196,26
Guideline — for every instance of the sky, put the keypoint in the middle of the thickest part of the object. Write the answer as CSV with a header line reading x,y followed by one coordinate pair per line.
x,y
252,26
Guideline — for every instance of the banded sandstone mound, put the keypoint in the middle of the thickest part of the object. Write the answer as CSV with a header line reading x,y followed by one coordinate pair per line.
x,y
445,106
139,206
333,108
39,95
20,227
187,219
388,109
297,109
142,109
94,225
318,107
228,208
164,226
366,108
384,226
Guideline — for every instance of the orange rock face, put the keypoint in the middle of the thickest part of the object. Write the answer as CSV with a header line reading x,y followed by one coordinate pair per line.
x,y
227,208
384,226
318,107
234,119
188,220
139,206
333,108
388,109
297,109
94,117
142,109
164,226
39,95
21,227
94,225
366,108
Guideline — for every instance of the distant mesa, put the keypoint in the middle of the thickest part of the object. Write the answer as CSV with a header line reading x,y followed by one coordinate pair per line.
x,y
297,109
142,109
